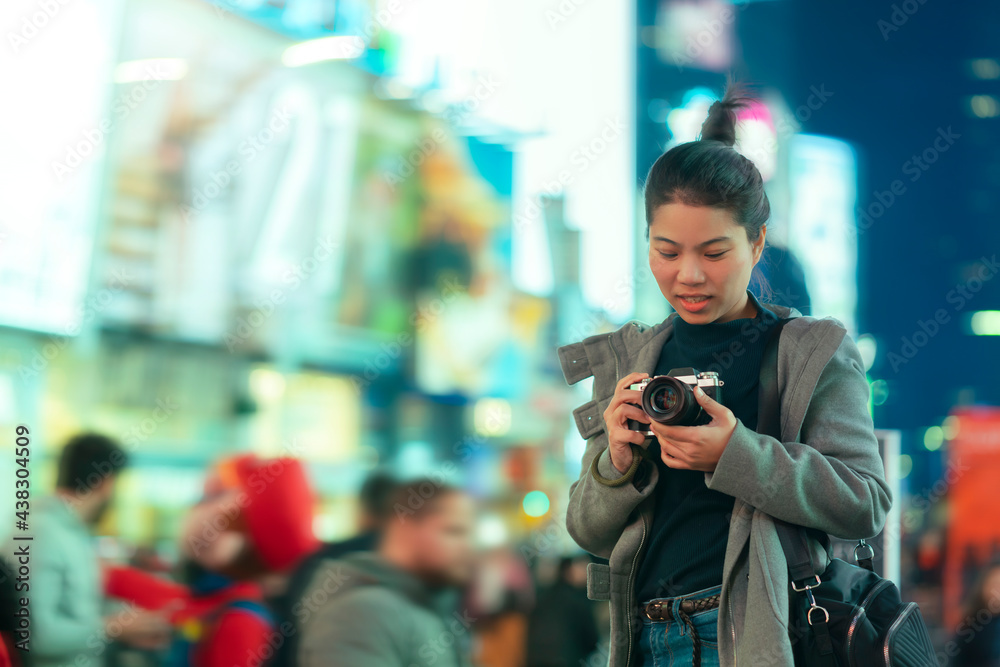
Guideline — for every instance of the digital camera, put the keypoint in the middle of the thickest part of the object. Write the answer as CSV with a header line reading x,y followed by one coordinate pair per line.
x,y
669,399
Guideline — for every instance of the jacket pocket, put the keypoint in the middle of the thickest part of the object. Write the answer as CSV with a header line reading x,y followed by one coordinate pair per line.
x,y
598,581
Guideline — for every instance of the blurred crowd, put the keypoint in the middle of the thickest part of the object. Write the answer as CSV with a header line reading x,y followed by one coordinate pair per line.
x,y
253,586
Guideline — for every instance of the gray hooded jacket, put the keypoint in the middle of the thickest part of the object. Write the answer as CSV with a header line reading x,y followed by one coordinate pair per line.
x,y
362,611
826,473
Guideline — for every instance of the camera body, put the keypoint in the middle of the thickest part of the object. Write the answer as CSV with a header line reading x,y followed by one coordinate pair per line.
x,y
669,399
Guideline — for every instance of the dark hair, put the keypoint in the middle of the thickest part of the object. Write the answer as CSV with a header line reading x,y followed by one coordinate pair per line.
x,y
376,495
86,460
419,498
710,172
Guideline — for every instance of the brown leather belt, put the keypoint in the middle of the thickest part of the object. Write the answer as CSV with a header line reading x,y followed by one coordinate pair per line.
x,y
658,611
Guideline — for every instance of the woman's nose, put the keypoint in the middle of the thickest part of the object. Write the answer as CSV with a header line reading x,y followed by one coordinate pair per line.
x,y
690,272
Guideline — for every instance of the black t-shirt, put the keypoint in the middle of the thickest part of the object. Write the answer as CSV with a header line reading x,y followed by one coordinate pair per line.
x,y
687,543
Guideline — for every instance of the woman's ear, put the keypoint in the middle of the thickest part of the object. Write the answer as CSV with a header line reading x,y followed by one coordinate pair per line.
x,y
758,245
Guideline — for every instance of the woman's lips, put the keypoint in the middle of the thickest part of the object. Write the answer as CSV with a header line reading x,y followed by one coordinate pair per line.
x,y
694,304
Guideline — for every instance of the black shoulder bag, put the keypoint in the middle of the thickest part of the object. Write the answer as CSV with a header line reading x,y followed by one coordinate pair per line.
x,y
846,616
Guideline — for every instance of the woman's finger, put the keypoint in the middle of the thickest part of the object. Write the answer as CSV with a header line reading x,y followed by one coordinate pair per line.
x,y
629,411
669,449
677,434
631,396
709,404
629,379
622,437
676,464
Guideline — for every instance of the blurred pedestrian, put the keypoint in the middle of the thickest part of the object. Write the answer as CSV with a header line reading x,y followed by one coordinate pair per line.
x,y
562,629
375,504
785,279
501,596
11,615
978,635
66,595
252,525
398,606
375,500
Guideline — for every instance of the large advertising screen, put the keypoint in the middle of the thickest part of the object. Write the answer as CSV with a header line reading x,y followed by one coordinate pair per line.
x,y
49,185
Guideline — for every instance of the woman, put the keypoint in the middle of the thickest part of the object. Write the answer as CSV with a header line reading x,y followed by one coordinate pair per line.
x,y
696,573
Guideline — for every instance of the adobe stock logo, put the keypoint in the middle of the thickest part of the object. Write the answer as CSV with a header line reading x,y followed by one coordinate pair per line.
x,y
915,167
901,13
33,24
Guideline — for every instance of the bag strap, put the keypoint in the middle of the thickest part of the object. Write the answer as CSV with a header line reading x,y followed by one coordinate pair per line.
x,y
793,540
803,576
768,407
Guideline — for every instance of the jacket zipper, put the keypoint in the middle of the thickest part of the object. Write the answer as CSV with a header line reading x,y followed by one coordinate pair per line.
x,y
856,617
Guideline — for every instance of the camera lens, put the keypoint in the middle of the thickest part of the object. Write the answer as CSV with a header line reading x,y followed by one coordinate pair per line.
x,y
669,401
663,399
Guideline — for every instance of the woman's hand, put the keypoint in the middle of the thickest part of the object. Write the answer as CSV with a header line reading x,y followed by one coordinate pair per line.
x,y
696,447
624,406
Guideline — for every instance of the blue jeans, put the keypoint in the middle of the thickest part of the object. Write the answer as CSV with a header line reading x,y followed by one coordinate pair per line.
x,y
671,643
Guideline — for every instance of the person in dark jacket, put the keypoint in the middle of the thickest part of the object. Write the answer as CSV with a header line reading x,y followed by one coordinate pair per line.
x,y
562,630
785,278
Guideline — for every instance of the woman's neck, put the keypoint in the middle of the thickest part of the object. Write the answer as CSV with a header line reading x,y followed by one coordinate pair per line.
x,y
749,310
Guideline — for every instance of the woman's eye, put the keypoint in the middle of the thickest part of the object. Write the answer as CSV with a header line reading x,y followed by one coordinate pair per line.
x,y
667,255
716,255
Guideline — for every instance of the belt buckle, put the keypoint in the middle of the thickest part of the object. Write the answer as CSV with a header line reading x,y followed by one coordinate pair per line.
x,y
658,607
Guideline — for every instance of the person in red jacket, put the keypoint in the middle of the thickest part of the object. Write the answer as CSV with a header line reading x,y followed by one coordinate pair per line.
x,y
254,522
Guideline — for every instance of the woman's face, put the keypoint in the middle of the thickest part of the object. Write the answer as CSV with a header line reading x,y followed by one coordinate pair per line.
x,y
702,261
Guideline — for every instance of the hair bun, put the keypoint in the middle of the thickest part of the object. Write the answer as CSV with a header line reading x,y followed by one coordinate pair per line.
x,y
721,122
